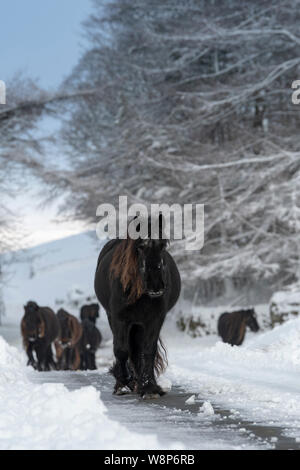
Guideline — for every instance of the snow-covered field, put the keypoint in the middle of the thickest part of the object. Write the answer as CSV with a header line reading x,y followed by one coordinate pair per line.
x,y
256,383
59,273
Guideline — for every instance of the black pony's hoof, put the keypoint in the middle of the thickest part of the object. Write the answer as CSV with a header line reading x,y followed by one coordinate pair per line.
x,y
151,391
122,391
126,385
122,388
32,364
150,396
132,385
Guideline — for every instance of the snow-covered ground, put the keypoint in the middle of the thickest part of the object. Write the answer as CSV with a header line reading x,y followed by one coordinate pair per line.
x,y
259,381
49,416
235,388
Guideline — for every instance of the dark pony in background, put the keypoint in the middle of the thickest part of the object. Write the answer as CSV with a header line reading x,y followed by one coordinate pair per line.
x,y
89,343
232,326
137,282
89,312
39,328
68,343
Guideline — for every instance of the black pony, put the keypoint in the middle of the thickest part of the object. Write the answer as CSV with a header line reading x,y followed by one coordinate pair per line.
x,y
89,343
232,326
137,282
90,312
39,328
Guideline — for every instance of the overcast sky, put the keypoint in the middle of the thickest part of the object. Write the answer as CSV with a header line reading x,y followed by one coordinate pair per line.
x,y
42,38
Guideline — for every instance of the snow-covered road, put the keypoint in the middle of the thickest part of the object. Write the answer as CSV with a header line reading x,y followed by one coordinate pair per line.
x,y
243,398
176,424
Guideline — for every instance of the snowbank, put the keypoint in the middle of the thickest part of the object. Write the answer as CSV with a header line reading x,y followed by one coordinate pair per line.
x,y
49,416
260,380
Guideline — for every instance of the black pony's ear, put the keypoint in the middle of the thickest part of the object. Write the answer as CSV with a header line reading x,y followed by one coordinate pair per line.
x,y
164,243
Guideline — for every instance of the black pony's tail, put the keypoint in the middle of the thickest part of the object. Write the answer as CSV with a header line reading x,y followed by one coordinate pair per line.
x,y
161,358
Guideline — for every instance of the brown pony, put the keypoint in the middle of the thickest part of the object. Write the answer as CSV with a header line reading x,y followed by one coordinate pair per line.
x,y
232,326
68,343
39,328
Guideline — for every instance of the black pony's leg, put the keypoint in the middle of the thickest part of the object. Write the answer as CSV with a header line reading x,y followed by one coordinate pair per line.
x,y
41,352
148,386
88,359
50,360
142,356
68,358
143,351
120,371
64,362
92,357
136,336
31,361
83,364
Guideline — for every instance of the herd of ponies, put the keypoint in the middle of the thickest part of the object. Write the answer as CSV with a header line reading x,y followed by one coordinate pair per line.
x,y
76,342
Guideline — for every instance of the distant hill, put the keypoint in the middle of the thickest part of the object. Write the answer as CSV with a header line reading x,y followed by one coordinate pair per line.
x,y
59,273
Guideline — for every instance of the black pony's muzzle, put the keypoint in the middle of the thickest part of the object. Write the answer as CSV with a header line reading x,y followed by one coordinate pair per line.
x,y
153,293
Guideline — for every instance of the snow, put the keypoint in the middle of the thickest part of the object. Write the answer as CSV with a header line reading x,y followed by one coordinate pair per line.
x,y
259,380
195,320
206,409
55,274
165,383
287,302
191,400
49,416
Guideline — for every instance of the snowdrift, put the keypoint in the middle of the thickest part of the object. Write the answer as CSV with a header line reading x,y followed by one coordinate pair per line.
x,y
49,416
259,380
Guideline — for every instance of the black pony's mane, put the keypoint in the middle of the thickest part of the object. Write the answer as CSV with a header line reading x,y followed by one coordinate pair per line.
x,y
124,266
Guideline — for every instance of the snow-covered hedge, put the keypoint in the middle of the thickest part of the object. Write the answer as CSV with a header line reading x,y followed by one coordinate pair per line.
x,y
200,321
285,304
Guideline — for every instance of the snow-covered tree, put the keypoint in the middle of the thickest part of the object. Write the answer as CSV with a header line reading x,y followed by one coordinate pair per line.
x,y
192,104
